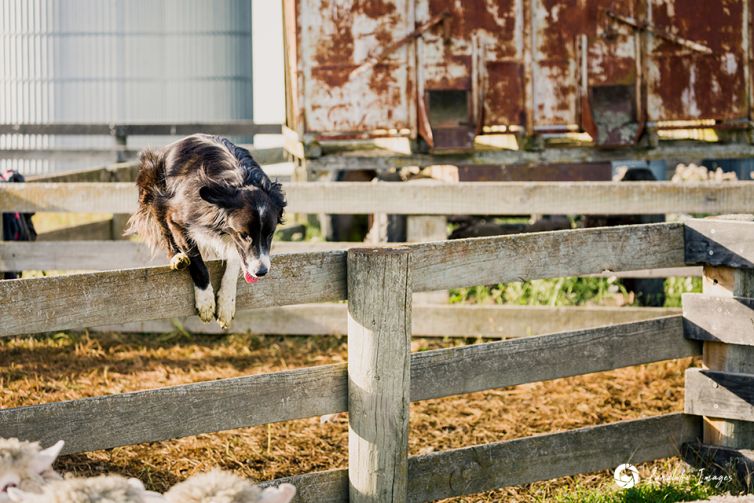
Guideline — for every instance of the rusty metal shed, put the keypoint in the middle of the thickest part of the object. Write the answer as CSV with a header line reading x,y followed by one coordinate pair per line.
x,y
446,71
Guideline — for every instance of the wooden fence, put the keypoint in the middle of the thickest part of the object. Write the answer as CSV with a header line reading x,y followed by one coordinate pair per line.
x,y
466,198
377,385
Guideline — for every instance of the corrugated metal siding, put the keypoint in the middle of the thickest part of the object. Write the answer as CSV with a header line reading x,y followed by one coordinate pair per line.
x,y
121,61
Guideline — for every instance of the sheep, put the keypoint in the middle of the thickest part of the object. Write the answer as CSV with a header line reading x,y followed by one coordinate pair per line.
x,y
25,465
218,486
102,489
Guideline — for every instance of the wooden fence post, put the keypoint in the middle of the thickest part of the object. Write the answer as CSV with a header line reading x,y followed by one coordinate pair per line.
x,y
719,356
722,318
379,356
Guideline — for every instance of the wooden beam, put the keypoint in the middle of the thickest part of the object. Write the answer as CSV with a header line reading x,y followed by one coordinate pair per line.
x,y
63,302
459,320
109,173
727,243
719,394
555,254
507,363
94,251
522,461
94,231
146,416
726,281
136,417
722,319
379,373
493,198
76,255
386,160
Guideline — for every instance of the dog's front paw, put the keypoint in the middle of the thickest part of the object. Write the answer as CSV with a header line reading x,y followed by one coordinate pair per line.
x,y
226,308
179,261
205,303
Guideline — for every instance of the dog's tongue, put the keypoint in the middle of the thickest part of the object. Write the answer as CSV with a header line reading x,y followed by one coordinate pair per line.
x,y
249,278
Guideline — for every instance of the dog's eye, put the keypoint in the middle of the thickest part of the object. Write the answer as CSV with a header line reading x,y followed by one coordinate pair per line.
x,y
244,235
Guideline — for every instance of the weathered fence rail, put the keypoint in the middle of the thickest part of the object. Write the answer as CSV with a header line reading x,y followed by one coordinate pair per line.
x,y
104,255
157,292
435,320
467,198
724,247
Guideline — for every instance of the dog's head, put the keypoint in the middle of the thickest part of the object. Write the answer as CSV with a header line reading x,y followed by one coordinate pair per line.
x,y
253,214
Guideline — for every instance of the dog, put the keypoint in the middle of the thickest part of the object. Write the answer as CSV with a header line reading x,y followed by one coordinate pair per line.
x,y
204,195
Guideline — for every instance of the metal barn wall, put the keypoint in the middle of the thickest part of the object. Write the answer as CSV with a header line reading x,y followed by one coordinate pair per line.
x,y
121,61
608,68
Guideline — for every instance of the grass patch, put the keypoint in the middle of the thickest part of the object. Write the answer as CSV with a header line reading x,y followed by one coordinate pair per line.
x,y
569,291
670,481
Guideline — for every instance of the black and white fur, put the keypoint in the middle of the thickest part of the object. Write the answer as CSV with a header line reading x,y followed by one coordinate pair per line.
x,y
203,196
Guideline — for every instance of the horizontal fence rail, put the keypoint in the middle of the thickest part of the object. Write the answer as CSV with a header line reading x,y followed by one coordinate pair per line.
x,y
61,302
458,320
146,416
157,292
480,468
467,198
152,293
104,255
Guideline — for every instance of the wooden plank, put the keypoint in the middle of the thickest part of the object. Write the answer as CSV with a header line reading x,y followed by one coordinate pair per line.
x,y
720,242
92,251
145,416
93,231
76,255
493,198
386,160
722,319
106,255
493,321
421,229
484,261
379,372
724,281
79,175
720,394
481,468
507,363
77,197
111,172
63,302
491,365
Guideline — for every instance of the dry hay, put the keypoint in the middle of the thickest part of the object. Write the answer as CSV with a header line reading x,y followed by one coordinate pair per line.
x,y
65,366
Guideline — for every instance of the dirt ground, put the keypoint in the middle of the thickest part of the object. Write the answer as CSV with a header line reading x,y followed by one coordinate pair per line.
x,y
68,366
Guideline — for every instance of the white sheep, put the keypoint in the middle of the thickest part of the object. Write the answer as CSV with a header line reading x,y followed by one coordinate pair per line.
x,y
102,489
25,465
218,486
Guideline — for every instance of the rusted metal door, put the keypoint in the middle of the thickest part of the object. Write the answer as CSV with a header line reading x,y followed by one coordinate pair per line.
x,y
343,95
686,83
447,70
471,69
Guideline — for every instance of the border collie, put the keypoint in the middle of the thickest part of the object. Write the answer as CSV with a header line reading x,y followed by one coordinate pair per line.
x,y
203,195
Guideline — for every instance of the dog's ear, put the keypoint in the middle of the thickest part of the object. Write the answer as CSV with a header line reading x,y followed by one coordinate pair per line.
x,y
222,195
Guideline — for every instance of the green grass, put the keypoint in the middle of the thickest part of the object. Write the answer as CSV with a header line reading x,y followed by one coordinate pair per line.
x,y
684,487
665,493
570,291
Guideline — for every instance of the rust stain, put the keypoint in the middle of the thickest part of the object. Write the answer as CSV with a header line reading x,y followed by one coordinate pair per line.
x,y
570,48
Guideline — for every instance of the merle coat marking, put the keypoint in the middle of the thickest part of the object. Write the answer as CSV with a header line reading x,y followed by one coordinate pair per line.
x,y
203,195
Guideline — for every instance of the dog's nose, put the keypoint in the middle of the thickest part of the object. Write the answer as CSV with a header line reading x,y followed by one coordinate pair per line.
x,y
261,272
